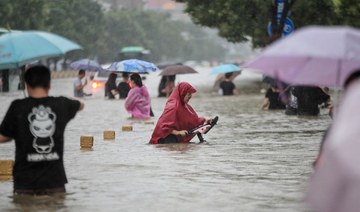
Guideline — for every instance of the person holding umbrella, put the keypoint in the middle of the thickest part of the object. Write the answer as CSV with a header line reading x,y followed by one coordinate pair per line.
x,y
79,85
110,86
123,86
167,83
227,87
162,85
138,102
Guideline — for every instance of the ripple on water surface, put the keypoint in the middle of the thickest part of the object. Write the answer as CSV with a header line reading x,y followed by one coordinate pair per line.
x,y
253,161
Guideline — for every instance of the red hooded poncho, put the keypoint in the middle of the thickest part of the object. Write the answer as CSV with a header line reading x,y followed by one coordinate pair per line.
x,y
177,115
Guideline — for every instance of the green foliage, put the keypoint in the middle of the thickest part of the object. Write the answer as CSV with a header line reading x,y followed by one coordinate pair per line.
x,y
103,33
158,33
78,20
240,20
308,13
350,15
23,15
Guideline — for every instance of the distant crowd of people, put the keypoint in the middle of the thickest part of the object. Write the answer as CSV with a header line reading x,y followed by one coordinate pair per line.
x,y
41,119
296,100
37,124
122,89
111,89
136,95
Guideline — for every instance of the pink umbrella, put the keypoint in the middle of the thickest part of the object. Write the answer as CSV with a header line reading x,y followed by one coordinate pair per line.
x,y
314,55
335,184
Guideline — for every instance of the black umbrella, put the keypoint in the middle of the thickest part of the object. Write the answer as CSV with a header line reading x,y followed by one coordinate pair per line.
x,y
177,69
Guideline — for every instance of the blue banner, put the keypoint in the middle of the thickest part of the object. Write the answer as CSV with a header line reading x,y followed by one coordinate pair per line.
x,y
288,25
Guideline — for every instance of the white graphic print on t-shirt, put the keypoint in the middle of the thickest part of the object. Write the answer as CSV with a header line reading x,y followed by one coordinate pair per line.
x,y
42,126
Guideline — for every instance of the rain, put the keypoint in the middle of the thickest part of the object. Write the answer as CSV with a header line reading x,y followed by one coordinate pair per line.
x,y
255,158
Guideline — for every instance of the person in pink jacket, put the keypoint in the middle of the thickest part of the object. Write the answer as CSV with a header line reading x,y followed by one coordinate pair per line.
x,y
138,100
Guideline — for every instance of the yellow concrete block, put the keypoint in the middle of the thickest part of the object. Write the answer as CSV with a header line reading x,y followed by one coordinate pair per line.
x,y
109,134
127,128
86,141
5,177
86,149
6,167
149,122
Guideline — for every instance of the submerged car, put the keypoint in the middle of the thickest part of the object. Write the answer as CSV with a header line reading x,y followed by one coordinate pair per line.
x,y
98,80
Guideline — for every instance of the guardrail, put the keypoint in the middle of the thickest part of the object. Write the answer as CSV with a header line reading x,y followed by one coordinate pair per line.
x,y
63,74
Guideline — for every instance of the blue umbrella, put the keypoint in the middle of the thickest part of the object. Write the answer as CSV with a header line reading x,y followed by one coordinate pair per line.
x,y
225,68
20,48
132,66
86,64
3,30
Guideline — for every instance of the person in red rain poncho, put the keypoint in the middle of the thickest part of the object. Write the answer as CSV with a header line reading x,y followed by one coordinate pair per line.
x,y
178,117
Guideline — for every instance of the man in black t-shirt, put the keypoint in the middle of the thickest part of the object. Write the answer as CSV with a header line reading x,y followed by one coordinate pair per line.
x,y
37,125
272,100
227,86
124,87
309,98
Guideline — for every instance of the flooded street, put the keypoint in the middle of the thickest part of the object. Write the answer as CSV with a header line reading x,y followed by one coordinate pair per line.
x,y
253,160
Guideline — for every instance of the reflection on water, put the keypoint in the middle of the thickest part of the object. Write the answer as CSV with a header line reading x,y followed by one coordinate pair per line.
x,y
253,161
181,148
39,203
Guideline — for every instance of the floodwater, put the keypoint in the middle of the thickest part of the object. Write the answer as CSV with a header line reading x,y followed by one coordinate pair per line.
x,y
253,160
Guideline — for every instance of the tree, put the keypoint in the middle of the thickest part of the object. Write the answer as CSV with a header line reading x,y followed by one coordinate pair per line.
x,y
23,15
103,33
243,20
158,33
79,20
349,15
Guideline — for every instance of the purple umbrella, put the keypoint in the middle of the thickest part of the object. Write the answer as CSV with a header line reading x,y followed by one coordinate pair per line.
x,y
315,55
86,64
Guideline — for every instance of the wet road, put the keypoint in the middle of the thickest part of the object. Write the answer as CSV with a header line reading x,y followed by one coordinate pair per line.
x,y
253,161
